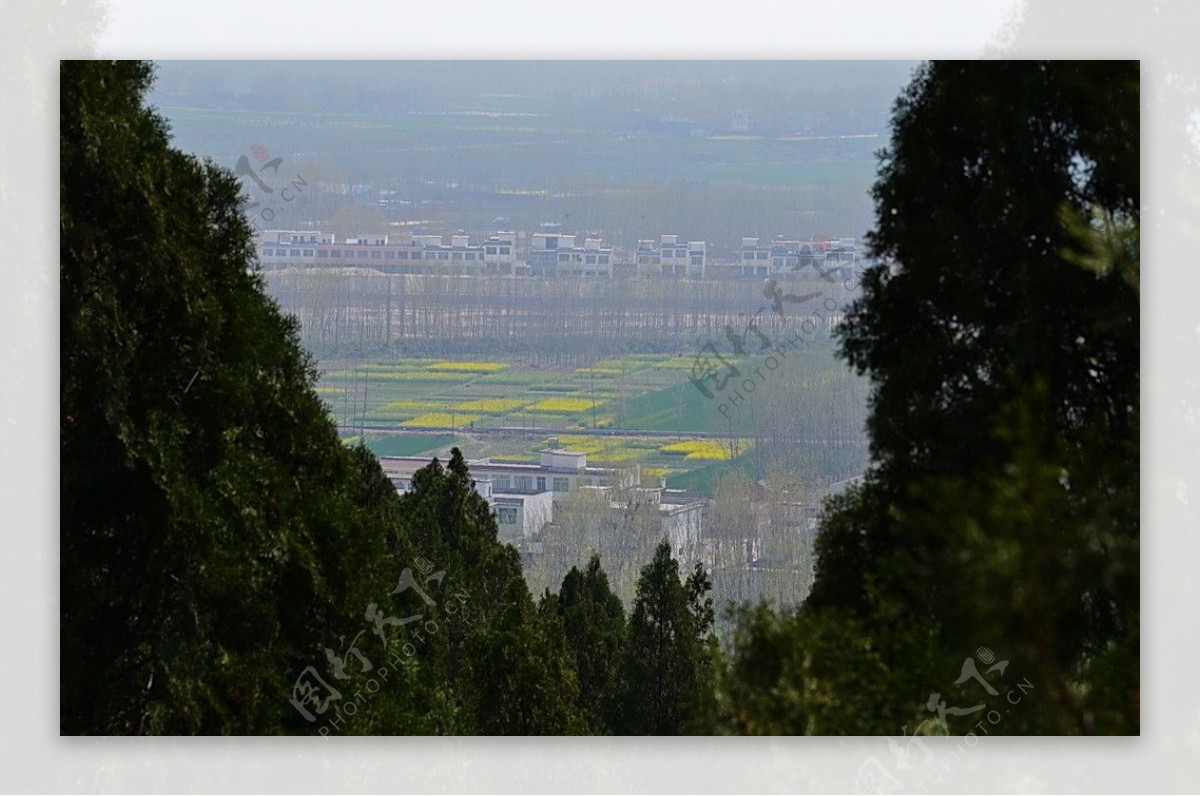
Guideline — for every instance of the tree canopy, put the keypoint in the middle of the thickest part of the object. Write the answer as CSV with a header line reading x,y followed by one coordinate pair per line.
x,y
212,522
1000,334
999,516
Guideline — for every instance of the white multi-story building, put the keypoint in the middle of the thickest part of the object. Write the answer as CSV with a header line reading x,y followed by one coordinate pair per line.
x,y
553,254
671,258
782,259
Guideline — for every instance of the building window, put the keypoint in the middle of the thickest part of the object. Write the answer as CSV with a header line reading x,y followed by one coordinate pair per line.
x,y
336,253
502,483
541,482
507,516
376,255
322,253
591,259
362,255
562,258
443,255
308,252
491,249
504,250
762,255
524,483
470,255
747,255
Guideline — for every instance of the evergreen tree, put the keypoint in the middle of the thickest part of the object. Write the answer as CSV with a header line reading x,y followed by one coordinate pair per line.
x,y
1000,333
520,679
594,624
505,667
215,533
667,662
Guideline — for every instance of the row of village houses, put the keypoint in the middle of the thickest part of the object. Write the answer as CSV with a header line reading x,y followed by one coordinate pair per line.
x,y
548,254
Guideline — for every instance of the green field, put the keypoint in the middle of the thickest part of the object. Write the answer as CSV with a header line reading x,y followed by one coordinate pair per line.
x,y
408,444
393,401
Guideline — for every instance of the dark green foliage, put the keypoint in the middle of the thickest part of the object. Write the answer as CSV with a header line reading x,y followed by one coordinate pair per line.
x,y
668,659
975,295
214,530
519,672
1000,334
593,621
808,672
511,663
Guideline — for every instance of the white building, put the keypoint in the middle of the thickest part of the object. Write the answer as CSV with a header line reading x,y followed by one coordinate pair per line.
x,y
554,254
833,260
671,258
520,517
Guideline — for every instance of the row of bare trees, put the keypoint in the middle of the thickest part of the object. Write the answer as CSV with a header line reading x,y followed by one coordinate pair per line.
x,y
355,312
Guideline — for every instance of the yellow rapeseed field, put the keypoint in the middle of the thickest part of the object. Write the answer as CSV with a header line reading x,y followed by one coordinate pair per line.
x,y
441,419
563,405
469,367
699,449
491,405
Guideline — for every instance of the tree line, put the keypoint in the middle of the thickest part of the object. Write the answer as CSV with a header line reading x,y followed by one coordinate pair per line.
x,y
358,314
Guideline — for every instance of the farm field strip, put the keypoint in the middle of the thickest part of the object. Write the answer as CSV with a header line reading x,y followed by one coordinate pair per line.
x,y
410,394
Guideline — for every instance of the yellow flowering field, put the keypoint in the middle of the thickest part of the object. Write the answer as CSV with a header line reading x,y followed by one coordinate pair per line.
x,y
469,367
699,449
491,405
563,405
441,419
650,475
